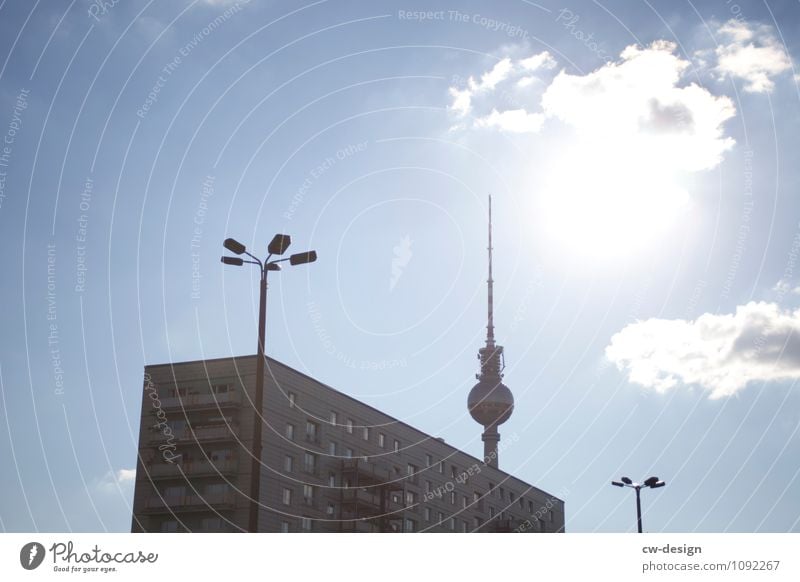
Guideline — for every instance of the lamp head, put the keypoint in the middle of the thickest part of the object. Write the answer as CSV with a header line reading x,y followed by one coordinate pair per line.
x,y
302,258
234,246
279,244
617,484
651,481
626,480
232,261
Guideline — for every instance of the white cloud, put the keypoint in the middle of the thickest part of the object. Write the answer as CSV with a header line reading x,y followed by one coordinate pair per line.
x,y
543,60
751,53
490,79
484,89
640,102
513,120
112,481
760,342
782,287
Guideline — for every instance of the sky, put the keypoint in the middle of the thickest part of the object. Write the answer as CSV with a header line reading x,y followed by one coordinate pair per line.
x,y
641,157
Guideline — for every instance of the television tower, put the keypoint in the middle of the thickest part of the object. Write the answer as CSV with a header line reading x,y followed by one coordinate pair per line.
x,y
490,402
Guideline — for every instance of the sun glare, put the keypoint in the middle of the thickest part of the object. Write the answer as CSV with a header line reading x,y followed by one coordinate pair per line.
x,y
601,202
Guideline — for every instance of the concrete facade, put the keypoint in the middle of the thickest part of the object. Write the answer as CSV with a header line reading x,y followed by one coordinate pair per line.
x,y
330,462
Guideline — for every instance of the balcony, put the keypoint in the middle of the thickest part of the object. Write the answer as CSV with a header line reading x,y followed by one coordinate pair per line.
x,y
155,504
220,432
199,401
366,499
192,469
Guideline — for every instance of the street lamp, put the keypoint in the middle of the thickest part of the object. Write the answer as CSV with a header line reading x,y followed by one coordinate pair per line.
x,y
652,483
278,246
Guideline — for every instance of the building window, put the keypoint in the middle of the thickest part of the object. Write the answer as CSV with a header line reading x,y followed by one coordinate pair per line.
x,y
350,426
477,522
491,512
453,471
464,526
312,431
334,418
288,463
491,489
216,456
550,515
412,472
411,525
306,523
502,493
177,391
332,448
542,526
452,498
441,467
331,479
428,460
348,452
287,496
428,486
309,462
217,488
211,524
331,510
285,527
441,518
427,514
292,399
174,491
396,446
411,498
169,526
289,431
382,440
308,494
452,524
222,388
365,433
464,502
511,496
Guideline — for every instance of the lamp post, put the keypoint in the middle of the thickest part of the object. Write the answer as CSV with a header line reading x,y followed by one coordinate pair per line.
x,y
652,483
277,246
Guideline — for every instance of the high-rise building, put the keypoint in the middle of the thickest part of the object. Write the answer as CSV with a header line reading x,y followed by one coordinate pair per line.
x,y
329,463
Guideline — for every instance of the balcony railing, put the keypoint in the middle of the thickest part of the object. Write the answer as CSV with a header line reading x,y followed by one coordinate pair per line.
x,y
186,502
201,433
192,468
202,400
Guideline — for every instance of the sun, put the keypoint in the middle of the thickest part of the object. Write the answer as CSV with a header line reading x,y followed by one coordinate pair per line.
x,y
606,199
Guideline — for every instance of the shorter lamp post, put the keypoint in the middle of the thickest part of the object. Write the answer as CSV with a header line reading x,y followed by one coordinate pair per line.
x,y
277,246
652,483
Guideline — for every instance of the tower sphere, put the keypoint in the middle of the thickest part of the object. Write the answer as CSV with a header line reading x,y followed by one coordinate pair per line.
x,y
490,402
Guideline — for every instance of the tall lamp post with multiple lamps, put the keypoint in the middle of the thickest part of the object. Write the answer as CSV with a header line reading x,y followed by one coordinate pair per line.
x,y
652,483
277,247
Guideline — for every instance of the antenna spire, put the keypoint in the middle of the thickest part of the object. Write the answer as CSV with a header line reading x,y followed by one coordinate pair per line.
x,y
490,282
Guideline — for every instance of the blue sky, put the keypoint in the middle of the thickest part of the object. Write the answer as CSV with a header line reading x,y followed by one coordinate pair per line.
x,y
647,235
